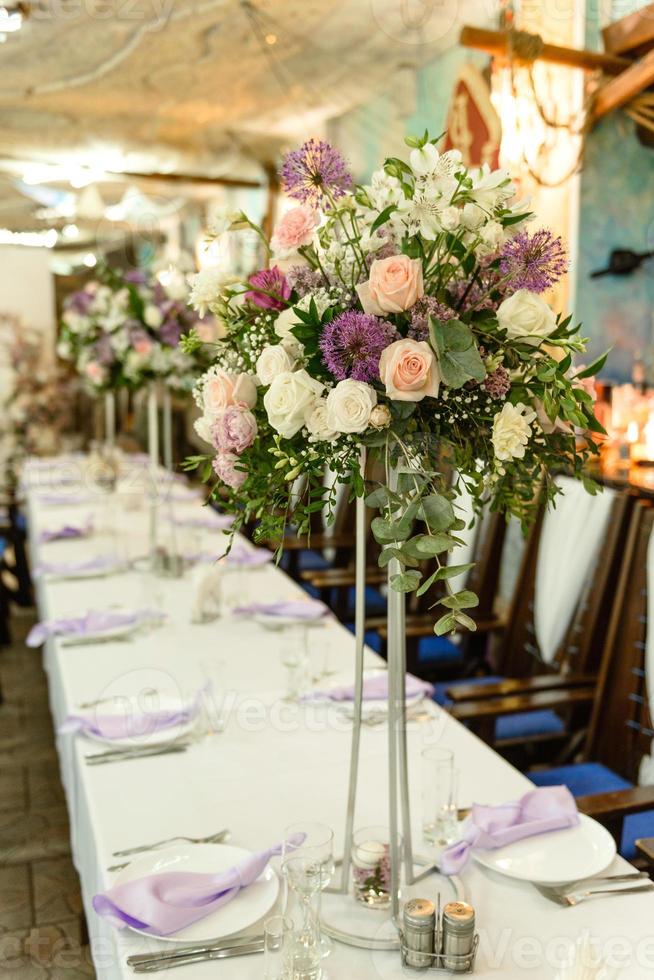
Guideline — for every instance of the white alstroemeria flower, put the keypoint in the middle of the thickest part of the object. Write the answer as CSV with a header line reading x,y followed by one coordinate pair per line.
x,y
384,190
491,187
424,160
422,215
441,180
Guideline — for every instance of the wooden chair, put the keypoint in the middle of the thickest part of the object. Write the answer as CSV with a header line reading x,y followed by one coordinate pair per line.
x,y
605,777
528,700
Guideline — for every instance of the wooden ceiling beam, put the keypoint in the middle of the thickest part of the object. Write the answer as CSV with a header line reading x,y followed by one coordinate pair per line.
x,y
497,43
625,87
633,34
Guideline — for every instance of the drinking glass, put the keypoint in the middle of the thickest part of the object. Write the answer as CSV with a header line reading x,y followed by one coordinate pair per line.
x,y
294,657
371,866
317,842
439,796
303,875
278,948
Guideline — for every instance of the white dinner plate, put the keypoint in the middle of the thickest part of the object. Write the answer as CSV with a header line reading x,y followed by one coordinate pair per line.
x,y
139,735
555,858
101,636
249,906
375,708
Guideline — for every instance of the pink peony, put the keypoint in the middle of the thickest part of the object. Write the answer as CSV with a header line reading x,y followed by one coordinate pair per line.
x,y
234,430
95,372
295,229
222,390
224,465
395,284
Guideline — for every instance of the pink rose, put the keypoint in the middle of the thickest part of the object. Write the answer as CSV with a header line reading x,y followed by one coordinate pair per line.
x,y
95,372
234,430
295,229
222,390
395,284
409,370
224,465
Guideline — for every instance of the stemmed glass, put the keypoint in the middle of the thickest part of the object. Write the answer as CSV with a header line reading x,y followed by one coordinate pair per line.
x,y
314,842
303,874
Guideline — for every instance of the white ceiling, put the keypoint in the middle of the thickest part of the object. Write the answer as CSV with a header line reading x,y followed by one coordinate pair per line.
x,y
193,85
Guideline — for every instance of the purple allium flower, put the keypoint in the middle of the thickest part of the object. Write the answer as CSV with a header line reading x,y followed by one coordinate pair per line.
x,y
352,344
104,353
420,313
271,290
534,262
304,280
314,172
170,331
79,301
497,383
138,276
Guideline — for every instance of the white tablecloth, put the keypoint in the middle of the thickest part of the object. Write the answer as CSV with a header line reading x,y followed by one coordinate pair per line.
x,y
272,765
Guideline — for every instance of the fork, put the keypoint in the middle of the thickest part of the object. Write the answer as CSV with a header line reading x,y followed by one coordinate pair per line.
x,y
574,898
212,839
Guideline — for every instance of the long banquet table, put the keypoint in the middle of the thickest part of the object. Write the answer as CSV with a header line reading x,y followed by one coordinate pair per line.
x,y
272,764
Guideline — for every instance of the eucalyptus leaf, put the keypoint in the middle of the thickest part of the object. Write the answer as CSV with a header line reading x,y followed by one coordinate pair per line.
x,y
437,512
460,600
465,621
450,571
406,581
446,624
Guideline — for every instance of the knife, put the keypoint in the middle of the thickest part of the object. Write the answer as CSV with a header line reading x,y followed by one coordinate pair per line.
x,y
238,946
98,760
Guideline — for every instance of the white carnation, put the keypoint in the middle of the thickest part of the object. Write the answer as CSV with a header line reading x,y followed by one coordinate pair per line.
x,y
205,289
512,431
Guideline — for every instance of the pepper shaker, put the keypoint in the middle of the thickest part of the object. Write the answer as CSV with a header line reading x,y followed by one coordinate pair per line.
x,y
458,936
419,923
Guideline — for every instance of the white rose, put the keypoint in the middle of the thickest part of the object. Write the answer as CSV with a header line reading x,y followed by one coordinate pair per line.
x,y
153,316
203,427
289,400
526,317
512,431
287,318
349,406
272,361
380,417
317,422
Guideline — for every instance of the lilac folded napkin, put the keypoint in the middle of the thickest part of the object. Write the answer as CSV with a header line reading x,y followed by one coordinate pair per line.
x,y
289,609
374,689
67,531
248,557
539,811
162,904
101,564
134,724
90,624
63,499
216,523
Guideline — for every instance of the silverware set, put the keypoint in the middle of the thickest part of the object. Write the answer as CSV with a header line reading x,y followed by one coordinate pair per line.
x,y
575,892
186,955
216,838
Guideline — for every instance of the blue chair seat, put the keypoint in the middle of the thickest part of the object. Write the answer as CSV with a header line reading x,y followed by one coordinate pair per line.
x,y
21,522
587,778
4,544
375,602
307,561
525,725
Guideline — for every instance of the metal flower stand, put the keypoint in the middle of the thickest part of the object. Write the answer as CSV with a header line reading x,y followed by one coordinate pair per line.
x,y
346,927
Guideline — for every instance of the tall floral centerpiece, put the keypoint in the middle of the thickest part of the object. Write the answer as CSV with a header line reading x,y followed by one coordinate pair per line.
x,y
405,316
402,319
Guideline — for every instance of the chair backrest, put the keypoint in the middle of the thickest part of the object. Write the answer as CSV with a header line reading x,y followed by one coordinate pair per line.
x,y
579,649
621,729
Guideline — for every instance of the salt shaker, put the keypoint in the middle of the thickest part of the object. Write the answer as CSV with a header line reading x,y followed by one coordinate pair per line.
x,y
458,936
419,925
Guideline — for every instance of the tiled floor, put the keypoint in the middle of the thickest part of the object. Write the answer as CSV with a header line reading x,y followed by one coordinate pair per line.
x,y
41,920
